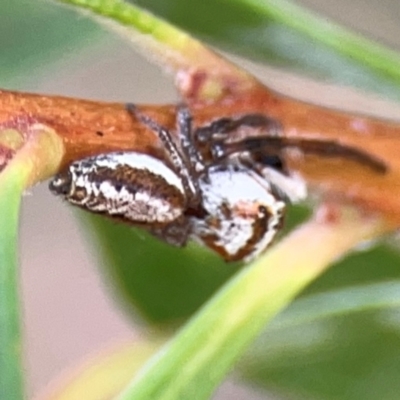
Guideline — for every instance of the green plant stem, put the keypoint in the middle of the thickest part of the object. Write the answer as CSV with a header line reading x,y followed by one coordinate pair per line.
x,y
194,363
344,41
128,14
366,52
11,375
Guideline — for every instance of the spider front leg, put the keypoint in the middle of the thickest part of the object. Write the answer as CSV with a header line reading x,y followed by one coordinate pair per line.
x,y
220,128
212,137
183,156
325,148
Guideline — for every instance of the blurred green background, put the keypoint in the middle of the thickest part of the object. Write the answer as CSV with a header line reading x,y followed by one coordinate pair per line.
x,y
68,308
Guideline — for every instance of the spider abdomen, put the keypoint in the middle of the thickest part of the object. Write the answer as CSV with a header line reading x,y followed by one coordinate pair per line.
x,y
135,187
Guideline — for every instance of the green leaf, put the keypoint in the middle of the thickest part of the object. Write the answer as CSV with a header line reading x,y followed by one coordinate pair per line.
x,y
12,181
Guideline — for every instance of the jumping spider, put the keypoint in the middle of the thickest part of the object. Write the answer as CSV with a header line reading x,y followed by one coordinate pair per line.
x,y
228,195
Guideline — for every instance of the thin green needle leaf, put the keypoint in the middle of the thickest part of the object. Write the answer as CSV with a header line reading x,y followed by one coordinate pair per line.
x,y
339,302
143,22
36,153
128,14
12,182
344,41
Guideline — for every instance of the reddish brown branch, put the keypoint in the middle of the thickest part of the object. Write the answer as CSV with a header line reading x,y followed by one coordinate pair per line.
x,y
88,127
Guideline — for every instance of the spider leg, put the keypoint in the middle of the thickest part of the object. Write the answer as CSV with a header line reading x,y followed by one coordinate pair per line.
x,y
183,167
219,129
326,148
184,122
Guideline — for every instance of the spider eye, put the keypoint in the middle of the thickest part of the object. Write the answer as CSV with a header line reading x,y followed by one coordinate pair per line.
x,y
61,184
